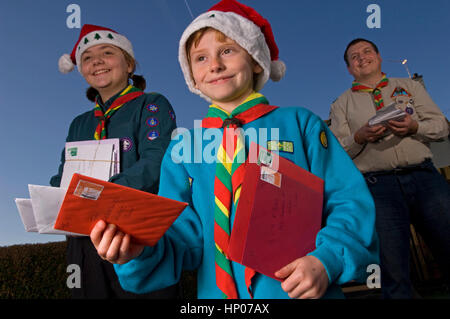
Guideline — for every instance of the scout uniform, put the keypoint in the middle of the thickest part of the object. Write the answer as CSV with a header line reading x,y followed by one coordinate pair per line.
x,y
189,243
144,123
353,109
401,177
144,126
194,171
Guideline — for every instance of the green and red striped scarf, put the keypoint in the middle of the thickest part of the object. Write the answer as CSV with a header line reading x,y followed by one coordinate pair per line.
x,y
230,169
128,94
376,92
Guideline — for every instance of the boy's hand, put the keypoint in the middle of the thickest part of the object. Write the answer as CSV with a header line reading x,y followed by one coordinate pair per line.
x,y
113,245
304,278
407,126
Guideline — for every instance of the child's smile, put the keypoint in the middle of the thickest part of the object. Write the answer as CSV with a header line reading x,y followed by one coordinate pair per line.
x,y
222,70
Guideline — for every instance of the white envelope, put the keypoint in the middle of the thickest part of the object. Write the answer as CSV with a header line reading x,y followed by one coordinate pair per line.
x,y
98,159
26,214
387,113
46,202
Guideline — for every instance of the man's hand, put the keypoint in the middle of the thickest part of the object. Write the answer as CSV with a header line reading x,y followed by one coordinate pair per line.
x,y
113,245
405,127
304,278
369,134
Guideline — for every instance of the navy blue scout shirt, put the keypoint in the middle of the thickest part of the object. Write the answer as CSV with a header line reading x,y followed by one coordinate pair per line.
x,y
144,126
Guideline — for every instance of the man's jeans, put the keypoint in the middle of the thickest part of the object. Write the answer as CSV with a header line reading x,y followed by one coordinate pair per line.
x,y
418,195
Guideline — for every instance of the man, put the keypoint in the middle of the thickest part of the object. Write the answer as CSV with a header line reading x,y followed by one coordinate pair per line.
x,y
396,162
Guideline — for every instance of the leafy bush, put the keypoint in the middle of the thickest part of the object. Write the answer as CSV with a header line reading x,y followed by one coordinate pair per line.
x,y
38,271
33,271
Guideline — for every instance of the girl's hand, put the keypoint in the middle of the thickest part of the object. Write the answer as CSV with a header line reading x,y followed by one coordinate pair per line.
x,y
113,245
304,278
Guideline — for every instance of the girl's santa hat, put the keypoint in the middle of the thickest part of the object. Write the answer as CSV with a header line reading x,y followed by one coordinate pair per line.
x,y
91,35
243,25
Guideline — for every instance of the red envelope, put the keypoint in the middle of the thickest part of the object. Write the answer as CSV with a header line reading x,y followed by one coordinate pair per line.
x,y
144,216
279,213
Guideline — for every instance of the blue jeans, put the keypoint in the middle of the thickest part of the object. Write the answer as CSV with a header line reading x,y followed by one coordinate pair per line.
x,y
418,195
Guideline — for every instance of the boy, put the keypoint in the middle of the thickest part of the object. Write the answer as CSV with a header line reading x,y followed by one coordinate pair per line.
x,y
227,54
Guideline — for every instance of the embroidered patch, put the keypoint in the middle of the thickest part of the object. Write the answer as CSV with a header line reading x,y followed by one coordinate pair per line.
x,y
152,121
153,135
152,108
73,151
172,115
281,146
126,143
399,91
323,139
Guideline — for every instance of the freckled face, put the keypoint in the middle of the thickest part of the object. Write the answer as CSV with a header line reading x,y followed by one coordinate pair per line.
x,y
223,71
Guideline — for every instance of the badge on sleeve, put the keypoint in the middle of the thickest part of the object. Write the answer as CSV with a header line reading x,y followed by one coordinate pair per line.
x,y
152,108
172,115
152,121
152,135
323,139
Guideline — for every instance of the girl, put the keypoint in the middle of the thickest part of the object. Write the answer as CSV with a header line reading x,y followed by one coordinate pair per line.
x,y
143,122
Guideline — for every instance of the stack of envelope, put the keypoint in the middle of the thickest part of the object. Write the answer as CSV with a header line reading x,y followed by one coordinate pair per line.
x,y
387,113
98,159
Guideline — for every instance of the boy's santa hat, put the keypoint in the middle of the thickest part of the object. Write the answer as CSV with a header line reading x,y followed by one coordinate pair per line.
x,y
91,35
243,25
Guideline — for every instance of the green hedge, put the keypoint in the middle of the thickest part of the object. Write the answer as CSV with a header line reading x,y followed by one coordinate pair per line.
x,y
38,271
33,271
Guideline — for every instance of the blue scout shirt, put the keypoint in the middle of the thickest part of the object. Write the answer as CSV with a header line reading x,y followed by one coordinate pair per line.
x,y
346,244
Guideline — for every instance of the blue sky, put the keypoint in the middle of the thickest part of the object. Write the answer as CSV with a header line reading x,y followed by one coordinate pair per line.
x,y
37,103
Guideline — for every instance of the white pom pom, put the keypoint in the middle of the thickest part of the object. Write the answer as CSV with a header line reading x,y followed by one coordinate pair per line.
x,y
277,70
65,64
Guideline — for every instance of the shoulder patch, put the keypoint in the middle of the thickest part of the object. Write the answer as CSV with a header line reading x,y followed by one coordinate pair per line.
x,y
152,135
172,115
152,108
323,139
152,121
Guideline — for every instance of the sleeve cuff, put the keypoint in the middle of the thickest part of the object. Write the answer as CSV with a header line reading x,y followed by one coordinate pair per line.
x,y
333,265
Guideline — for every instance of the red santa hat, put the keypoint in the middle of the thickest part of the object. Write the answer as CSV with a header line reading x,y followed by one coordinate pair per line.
x,y
243,25
91,35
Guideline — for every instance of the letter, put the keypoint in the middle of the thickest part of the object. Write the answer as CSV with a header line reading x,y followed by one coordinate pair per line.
x,y
210,310
184,145
211,149
183,309
374,20
275,136
73,20
265,310
373,280
198,141
74,279
228,308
